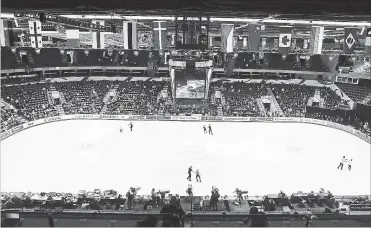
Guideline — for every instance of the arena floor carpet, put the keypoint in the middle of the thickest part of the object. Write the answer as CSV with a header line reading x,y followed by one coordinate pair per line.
x,y
262,158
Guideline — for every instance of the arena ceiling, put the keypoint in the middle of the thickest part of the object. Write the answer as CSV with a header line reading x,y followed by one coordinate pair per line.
x,y
115,11
298,9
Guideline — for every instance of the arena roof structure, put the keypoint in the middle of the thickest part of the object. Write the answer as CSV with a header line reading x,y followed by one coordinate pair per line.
x,y
216,7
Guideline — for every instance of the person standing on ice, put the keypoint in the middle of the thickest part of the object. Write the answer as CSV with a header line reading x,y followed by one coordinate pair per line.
x,y
210,130
205,130
121,129
198,177
189,173
131,126
350,164
343,160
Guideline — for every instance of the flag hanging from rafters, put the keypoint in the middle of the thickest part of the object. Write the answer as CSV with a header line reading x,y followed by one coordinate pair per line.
x,y
6,33
284,42
254,37
130,34
73,38
98,36
227,38
98,40
316,40
35,34
350,37
368,43
159,35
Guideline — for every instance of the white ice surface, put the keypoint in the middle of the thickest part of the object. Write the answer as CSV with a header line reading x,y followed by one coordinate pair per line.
x,y
262,158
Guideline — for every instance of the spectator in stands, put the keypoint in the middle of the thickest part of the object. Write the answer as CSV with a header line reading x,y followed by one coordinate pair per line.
x,y
153,198
214,200
256,218
173,212
149,221
129,198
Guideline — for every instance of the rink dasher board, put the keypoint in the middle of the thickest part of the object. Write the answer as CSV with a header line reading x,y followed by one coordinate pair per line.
x,y
30,124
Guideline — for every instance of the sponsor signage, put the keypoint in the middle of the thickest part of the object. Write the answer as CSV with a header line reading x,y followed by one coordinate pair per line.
x,y
137,117
17,129
217,118
261,119
236,118
154,118
53,119
185,118
6,134
84,116
109,117
363,136
286,119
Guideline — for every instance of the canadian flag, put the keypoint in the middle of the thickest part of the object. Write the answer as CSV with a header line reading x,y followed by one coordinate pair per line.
x,y
284,42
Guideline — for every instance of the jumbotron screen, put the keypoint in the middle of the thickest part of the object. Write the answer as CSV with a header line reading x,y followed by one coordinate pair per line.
x,y
190,86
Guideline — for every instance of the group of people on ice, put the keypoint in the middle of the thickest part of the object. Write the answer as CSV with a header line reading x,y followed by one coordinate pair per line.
x,y
344,160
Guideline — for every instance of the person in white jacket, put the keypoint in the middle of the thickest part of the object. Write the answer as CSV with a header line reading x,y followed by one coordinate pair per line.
x,y
343,160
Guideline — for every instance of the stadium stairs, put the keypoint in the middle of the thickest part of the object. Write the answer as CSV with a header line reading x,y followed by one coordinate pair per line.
x,y
275,103
59,106
261,106
317,95
161,95
310,101
9,106
107,100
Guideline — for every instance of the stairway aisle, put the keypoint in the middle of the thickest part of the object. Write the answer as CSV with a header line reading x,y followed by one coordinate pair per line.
x,y
160,95
261,106
317,95
59,107
106,99
275,103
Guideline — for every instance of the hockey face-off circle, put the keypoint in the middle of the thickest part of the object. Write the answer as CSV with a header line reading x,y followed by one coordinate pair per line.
x,y
262,158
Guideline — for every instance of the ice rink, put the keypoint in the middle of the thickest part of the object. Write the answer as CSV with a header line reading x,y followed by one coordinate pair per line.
x,y
262,158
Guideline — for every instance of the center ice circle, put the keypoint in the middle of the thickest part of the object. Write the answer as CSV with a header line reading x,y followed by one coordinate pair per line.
x,y
263,158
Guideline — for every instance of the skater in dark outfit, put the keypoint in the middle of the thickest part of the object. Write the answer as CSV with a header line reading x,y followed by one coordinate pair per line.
x,y
343,160
205,130
210,130
189,173
121,129
198,177
131,126
350,164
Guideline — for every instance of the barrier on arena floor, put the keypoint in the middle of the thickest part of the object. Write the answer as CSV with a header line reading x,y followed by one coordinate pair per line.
x,y
196,219
348,129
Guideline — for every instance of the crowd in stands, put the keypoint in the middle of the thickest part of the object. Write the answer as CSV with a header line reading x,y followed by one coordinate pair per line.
x,y
33,101
293,98
83,97
240,97
137,98
30,101
9,119
331,99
